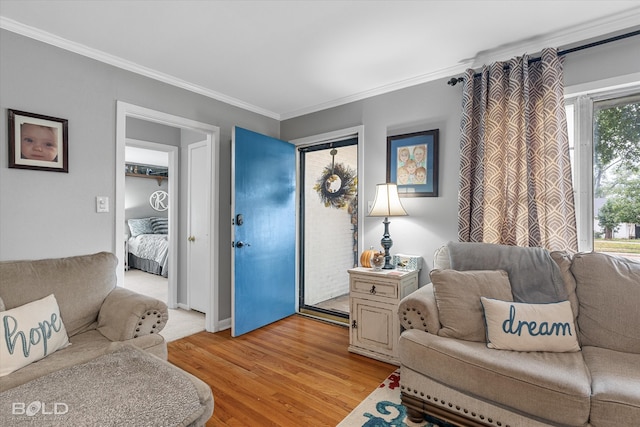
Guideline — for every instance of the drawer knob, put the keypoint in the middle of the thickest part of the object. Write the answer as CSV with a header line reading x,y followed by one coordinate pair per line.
x,y
373,290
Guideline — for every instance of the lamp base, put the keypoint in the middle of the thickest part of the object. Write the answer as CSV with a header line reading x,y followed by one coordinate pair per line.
x,y
386,243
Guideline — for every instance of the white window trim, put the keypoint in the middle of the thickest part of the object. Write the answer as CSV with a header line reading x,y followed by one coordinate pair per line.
x,y
583,97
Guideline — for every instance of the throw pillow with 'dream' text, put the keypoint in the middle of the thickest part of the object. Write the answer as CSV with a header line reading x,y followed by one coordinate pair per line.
x,y
530,327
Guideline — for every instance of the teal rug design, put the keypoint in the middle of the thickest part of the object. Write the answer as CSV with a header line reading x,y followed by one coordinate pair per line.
x,y
382,408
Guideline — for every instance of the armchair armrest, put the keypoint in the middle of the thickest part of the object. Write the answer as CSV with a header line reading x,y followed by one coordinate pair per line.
x,y
126,314
419,310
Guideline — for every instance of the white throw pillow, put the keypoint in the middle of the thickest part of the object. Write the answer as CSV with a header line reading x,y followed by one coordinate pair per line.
x,y
530,327
29,333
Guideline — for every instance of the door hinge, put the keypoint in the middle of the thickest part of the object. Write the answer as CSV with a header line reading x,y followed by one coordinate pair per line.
x,y
354,324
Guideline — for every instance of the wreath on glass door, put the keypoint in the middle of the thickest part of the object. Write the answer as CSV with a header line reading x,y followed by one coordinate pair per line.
x,y
337,184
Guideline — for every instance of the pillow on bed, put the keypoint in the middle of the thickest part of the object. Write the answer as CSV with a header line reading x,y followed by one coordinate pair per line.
x,y
140,226
29,333
160,225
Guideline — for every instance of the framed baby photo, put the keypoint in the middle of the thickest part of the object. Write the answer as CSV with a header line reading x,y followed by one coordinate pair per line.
x,y
412,163
38,142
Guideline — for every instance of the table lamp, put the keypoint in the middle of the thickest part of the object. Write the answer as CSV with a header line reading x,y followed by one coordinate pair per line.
x,y
386,204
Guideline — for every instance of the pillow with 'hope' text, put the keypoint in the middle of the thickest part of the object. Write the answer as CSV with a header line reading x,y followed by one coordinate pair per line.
x,y
530,327
29,333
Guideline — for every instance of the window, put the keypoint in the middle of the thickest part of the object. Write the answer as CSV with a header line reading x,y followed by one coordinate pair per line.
x,y
604,140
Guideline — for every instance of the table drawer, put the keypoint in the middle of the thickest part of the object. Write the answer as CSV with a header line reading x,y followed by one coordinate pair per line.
x,y
379,288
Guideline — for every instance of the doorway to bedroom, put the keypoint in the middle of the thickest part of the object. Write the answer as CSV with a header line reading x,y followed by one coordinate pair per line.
x,y
146,208
147,194
136,126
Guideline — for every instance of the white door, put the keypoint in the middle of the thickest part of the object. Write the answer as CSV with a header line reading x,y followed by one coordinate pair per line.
x,y
198,225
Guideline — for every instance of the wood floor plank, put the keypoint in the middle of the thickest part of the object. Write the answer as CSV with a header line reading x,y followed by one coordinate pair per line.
x,y
295,372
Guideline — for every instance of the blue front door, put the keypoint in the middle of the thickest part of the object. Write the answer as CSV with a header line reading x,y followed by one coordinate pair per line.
x,y
263,203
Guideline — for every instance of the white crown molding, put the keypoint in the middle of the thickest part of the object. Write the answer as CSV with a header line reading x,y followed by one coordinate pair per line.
x,y
52,39
576,34
414,81
597,28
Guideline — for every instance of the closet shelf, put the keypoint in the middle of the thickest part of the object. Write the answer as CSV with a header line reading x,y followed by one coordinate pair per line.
x,y
141,175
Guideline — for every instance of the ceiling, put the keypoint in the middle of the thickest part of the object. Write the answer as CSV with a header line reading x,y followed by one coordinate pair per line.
x,y
284,59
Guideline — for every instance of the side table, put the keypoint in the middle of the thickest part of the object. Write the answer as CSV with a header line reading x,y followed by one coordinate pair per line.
x,y
374,297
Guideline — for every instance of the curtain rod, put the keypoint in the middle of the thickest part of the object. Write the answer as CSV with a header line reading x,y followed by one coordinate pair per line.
x,y
455,80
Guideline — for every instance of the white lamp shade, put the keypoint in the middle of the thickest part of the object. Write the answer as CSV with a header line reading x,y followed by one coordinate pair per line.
x,y
387,203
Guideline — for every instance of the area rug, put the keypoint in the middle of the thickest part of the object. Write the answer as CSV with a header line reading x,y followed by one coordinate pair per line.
x,y
382,408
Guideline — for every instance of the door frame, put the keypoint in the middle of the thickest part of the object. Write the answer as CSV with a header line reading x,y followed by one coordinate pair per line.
x,y
323,138
125,110
173,186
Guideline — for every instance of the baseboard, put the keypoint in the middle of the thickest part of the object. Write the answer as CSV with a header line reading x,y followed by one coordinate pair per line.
x,y
224,324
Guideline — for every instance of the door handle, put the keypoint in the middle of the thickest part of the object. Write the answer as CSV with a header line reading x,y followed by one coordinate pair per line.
x,y
240,244
191,238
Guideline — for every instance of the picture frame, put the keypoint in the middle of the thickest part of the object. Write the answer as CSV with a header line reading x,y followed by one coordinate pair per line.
x,y
38,142
412,163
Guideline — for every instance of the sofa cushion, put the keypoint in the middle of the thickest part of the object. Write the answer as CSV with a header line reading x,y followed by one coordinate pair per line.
x,y
608,289
534,275
564,259
458,298
550,386
29,333
530,327
615,380
80,284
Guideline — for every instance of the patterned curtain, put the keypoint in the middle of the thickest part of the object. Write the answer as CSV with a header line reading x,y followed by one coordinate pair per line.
x,y
515,172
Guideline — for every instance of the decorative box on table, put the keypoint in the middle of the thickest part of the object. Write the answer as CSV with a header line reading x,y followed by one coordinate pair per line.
x,y
407,262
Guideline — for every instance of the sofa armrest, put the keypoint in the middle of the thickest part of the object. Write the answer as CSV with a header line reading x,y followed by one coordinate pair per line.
x,y
419,310
126,314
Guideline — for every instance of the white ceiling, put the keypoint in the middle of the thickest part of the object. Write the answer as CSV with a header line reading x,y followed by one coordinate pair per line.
x,y
288,58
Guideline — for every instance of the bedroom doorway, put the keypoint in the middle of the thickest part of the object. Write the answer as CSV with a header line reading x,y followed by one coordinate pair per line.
x,y
186,128
151,182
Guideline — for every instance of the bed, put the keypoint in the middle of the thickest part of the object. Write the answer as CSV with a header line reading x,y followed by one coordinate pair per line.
x,y
148,245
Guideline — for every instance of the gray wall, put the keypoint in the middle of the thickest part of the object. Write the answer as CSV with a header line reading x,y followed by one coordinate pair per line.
x,y
152,132
435,105
51,214
136,198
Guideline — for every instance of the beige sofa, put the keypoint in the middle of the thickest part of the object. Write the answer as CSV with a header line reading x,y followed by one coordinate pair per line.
x,y
100,320
467,383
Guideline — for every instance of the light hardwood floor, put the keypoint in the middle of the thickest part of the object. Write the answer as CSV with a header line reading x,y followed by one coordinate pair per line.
x,y
295,372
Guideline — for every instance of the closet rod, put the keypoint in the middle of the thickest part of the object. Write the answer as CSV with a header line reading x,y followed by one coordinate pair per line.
x,y
455,80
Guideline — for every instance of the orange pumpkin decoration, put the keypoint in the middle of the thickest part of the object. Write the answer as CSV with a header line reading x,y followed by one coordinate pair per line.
x,y
365,258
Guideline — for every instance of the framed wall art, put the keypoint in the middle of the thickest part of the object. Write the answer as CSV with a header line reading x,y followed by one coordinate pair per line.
x,y
412,163
38,142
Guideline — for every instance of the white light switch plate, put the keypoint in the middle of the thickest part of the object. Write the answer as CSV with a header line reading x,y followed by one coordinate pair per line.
x,y
102,204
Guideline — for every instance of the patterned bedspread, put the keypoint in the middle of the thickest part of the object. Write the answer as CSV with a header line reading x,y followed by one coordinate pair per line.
x,y
154,247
